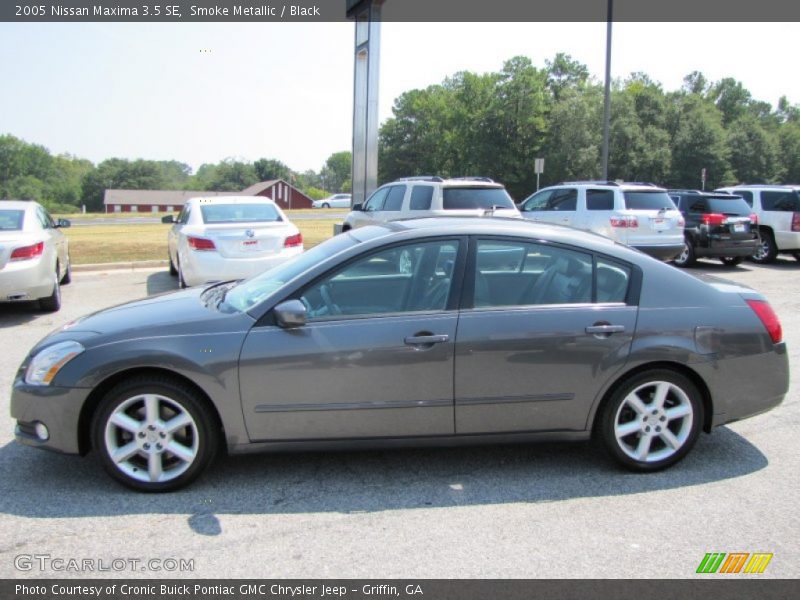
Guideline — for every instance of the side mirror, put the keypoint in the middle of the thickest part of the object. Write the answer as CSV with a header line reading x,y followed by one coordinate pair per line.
x,y
168,219
63,223
358,207
291,314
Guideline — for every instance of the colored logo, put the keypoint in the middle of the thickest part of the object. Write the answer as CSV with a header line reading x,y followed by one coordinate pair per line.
x,y
735,562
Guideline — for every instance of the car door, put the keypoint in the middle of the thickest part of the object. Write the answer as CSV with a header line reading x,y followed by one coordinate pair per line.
x,y
557,206
370,211
56,240
393,205
545,329
375,358
173,237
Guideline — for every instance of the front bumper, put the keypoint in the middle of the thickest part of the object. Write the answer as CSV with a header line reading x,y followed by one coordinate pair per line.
x,y
58,408
25,280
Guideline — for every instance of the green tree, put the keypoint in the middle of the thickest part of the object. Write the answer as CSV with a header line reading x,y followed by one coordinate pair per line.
x,y
337,170
271,168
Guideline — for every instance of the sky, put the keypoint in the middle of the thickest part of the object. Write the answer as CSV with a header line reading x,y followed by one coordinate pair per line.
x,y
203,92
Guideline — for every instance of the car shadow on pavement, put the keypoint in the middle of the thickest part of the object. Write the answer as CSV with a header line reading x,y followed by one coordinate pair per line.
x,y
18,313
37,484
717,268
160,282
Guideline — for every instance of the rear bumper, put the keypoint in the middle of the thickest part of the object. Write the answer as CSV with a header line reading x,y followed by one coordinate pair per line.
x,y
204,267
26,280
57,408
721,248
661,252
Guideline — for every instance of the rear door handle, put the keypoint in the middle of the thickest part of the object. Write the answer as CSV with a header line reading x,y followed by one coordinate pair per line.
x,y
605,329
424,340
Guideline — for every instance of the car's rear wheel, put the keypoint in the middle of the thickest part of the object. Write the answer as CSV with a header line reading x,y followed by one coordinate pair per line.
x,y
767,251
53,302
67,278
172,270
154,434
731,261
652,420
686,258
181,280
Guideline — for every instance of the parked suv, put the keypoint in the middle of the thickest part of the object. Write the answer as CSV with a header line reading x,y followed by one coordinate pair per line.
x,y
718,225
778,210
432,196
637,214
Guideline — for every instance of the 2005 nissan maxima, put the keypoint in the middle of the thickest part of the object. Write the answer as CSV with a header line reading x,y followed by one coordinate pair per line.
x,y
432,331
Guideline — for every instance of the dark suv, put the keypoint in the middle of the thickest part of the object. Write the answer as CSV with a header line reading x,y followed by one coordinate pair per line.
x,y
718,225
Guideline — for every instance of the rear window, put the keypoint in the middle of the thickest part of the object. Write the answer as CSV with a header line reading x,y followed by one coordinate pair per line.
x,y
787,201
648,201
239,213
11,220
461,198
729,206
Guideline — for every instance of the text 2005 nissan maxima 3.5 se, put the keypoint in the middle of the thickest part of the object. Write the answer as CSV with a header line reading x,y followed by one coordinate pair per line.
x,y
431,331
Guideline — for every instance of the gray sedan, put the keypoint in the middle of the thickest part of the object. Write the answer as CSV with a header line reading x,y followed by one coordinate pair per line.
x,y
422,332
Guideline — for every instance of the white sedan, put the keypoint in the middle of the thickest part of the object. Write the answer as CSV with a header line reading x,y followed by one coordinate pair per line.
x,y
335,201
34,254
229,237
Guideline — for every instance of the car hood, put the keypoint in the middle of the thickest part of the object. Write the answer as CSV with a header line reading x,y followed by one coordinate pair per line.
x,y
173,313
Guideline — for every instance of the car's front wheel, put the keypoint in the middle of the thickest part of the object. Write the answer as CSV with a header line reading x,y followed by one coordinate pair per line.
x,y
686,258
652,420
767,251
154,434
326,205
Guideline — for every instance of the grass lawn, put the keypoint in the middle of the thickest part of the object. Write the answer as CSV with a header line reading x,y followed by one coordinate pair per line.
x,y
121,243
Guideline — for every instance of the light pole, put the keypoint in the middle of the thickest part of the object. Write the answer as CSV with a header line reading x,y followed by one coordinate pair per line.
x,y
607,98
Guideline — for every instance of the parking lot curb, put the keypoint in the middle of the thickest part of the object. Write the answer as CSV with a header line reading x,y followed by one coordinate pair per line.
x,y
121,266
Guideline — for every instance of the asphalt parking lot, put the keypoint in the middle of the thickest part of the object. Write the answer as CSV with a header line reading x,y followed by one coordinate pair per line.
x,y
552,510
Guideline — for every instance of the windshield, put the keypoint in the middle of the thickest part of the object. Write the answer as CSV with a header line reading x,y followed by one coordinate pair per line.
x,y
655,200
253,291
462,198
11,220
239,213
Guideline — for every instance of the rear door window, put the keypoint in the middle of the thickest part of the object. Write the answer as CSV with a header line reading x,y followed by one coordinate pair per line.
x,y
599,200
564,200
787,201
421,196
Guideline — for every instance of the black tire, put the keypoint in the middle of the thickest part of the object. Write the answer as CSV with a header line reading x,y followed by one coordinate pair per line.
x,y
326,205
67,278
200,438
768,251
617,411
346,228
731,261
172,270
181,282
796,256
53,302
686,258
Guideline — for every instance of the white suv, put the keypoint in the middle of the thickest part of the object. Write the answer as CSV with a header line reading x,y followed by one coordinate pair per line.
x,y
778,210
432,196
637,214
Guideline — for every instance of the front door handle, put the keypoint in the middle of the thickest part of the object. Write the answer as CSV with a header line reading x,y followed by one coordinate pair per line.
x,y
605,329
426,340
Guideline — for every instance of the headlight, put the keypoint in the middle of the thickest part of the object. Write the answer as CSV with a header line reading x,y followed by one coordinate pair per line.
x,y
49,361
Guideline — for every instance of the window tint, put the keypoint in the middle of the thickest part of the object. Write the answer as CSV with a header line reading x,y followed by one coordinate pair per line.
x,y
183,217
421,196
414,277
375,201
747,196
698,206
780,201
538,201
239,213
394,200
612,281
11,220
44,219
564,200
520,274
462,198
728,206
648,200
599,200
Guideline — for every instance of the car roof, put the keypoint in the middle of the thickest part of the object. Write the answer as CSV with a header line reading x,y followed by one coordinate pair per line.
x,y
757,186
718,195
631,186
17,204
231,200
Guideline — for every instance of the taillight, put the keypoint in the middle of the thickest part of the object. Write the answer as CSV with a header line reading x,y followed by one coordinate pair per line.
x,y
28,252
712,219
681,222
796,221
198,243
624,221
293,240
754,218
768,317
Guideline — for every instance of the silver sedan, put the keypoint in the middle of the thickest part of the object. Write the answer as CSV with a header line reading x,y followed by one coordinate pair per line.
x,y
420,332
34,254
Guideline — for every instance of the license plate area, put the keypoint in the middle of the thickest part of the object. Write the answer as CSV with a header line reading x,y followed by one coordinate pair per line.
x,y
658,224
739,228
250,245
